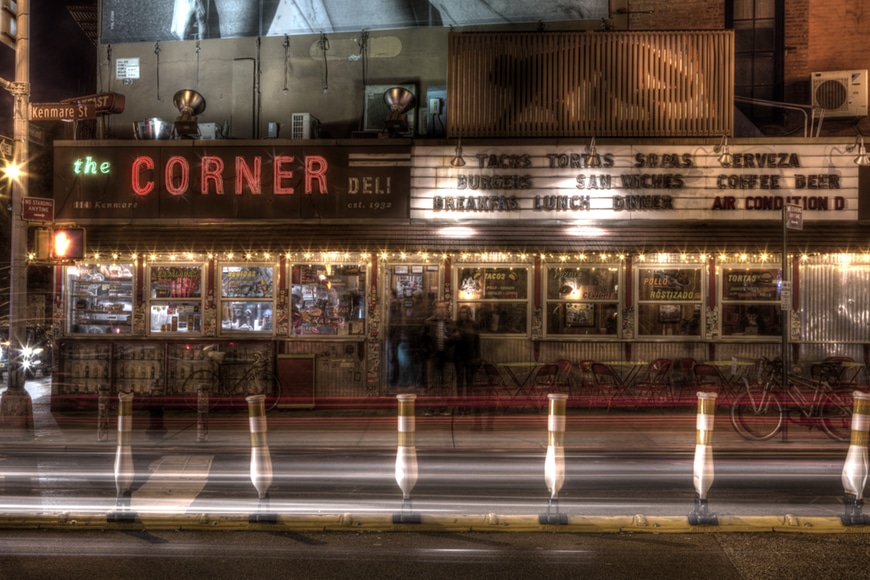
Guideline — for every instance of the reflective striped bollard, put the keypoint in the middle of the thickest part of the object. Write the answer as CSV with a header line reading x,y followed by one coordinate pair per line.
x,y
855,470
406,458
124,470
703,467
554,462
261,460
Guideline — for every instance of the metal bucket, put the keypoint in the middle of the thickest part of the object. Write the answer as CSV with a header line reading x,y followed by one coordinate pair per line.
x,y
153,128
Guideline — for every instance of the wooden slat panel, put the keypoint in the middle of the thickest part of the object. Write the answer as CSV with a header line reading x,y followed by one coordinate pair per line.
x,y
563,84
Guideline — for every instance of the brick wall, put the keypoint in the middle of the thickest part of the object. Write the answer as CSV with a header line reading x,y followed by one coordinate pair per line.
x,y
677,15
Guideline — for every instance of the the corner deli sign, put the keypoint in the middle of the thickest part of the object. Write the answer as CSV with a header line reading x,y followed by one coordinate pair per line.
x,y
231,182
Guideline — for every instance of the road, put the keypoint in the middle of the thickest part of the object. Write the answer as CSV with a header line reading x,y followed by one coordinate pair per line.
x,y
95,555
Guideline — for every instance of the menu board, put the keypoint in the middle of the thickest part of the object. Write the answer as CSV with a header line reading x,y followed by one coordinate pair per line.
x,y
670,284
493,283
176,281
751,284
586,283
246,281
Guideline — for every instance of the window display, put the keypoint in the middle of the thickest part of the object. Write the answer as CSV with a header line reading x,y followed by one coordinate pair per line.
x,y
497,298
750,301
100,299
582,300
175,298
670,301
328,300
246,298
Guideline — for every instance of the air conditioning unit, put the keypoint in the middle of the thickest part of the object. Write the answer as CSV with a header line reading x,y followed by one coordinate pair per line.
x,y
840,93
304,126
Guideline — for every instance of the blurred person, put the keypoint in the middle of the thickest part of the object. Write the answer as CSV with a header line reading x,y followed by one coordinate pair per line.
x,y
437,331
466,353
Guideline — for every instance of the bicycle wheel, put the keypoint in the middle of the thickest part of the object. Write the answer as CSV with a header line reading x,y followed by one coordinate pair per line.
x,y
266,383
836,414
205,378
757,415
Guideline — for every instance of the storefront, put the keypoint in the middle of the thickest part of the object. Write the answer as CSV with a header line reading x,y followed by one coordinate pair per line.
x,y
326,259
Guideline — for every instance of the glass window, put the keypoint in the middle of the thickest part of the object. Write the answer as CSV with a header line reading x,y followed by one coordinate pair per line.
x,y
582,300
328,300
100,298
175,298
670,301
496,296
751,301
246,298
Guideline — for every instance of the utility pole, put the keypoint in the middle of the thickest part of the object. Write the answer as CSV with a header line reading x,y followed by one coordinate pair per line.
x,y
16,406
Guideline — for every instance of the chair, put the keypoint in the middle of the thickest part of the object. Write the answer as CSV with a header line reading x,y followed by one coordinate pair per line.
x,y
563,379
707,375
489,392
655,387
844,377
608,383
587,380
545,381
687,370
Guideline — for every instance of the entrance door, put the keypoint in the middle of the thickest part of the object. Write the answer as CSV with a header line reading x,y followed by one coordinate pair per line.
x,y
412,289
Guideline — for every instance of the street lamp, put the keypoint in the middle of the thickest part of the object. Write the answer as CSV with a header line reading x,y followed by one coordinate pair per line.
x,y
16,406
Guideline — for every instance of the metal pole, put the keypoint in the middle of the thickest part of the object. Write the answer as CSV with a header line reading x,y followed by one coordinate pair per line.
x,y
785,314
16,406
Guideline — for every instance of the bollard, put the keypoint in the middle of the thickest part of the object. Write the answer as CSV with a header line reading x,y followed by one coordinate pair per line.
x,y
261,461
201,414
124,470
703,468
102,413
406,459
855,469
554,463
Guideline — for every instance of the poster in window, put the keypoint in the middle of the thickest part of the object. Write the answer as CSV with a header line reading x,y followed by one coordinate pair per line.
x,y
670,284
579,315
670,313
246,281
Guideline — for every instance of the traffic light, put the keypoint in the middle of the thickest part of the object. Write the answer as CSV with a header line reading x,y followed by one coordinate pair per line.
x,y
9,23
68,243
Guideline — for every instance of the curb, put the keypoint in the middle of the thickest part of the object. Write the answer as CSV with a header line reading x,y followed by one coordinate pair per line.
x,y
455,524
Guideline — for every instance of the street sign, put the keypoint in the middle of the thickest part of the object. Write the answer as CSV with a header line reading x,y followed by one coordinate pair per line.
x,y
103,102
62,111
37,209
794,219
7,148
785,295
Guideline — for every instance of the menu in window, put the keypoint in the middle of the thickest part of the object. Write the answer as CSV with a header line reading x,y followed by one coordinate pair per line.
x,y
176,281
751,284
493,283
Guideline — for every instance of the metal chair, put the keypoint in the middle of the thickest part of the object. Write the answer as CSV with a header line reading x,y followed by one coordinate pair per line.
x,y
655,387
545,381
608,383
563,379
707,375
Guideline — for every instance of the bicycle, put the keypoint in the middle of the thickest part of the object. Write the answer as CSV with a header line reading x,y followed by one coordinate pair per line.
x,y
227,388
767,407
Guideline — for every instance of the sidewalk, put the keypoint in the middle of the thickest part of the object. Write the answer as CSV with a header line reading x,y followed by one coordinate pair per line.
x,y
650,431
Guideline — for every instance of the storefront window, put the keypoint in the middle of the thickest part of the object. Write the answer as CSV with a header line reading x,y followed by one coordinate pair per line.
x,y
100,298
496,296
328,300
175,300
751,301
582,300
670,301
247,298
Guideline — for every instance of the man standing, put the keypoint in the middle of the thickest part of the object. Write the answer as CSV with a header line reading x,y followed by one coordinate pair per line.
x,y
437,331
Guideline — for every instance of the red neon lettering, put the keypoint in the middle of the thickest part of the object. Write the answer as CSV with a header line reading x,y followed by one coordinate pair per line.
x,y
252,178
142,164
281,174
212,167
315,169
177,185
